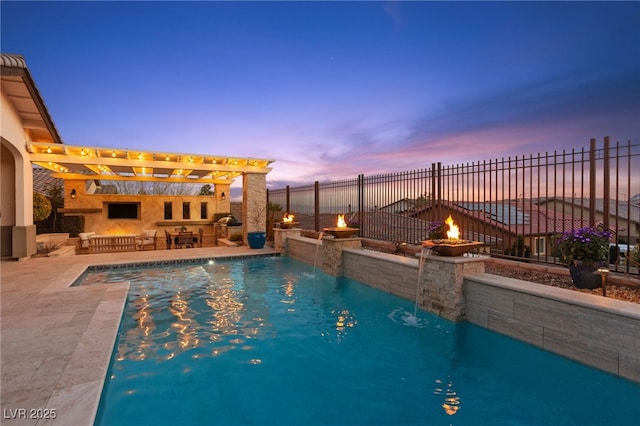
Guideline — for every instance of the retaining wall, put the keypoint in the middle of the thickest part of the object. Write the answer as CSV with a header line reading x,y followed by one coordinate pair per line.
x,y
600,332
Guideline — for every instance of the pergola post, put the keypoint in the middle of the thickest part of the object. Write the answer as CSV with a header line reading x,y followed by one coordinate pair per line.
x,y
254,202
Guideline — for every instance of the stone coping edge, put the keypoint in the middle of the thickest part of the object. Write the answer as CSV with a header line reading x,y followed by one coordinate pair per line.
x,y
590,301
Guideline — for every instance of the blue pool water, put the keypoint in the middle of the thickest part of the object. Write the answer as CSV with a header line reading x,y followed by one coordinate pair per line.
x,y
271,341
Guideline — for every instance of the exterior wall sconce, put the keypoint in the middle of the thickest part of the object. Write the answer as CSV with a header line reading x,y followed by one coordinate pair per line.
x,y
73,193
223,196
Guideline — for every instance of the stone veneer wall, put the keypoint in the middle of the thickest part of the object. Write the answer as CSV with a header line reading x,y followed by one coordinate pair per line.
x,y
600,332
442,284
394,274
303,249
332,250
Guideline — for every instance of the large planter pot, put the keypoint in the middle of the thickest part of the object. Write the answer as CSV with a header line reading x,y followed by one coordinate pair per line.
x,y
256,239
585,276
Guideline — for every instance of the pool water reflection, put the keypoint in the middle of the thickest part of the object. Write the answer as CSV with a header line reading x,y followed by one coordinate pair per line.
x,y
271,341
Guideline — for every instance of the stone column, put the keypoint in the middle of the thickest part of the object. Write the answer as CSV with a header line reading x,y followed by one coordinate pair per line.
x,y
332,261
280,238
254,206
441,289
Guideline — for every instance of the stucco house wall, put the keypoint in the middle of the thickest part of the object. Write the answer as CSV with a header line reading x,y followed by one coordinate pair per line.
x,y
16,222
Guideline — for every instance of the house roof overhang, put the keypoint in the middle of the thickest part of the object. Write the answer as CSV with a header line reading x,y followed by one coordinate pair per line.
x,y
23,94
82,163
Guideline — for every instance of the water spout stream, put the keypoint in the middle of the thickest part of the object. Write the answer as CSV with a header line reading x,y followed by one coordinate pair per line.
x,y
420,268
315,259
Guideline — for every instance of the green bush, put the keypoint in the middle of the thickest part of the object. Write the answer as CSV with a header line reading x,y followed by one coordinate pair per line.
x,y
41,207
519,249
589,244
634,254
73,225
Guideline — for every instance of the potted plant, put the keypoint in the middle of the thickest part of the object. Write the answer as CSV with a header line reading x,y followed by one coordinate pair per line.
x,y
256,239
437,230
584,250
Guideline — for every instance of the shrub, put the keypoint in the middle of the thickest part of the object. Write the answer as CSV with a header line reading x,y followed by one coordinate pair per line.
x,y
73,225
589,245
634,255
519,249
437,230
41,207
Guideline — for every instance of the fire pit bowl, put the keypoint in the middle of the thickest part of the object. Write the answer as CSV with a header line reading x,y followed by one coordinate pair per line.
x,y
288,225
449,247
287,221
341,232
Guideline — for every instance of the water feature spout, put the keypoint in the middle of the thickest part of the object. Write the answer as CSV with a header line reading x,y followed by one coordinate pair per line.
x,y
315,259
425,250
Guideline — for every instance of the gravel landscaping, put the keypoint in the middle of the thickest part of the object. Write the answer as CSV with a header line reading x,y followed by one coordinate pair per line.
x,y
630,292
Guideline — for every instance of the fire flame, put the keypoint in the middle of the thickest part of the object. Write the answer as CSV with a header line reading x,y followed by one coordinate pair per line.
x,y
288,218
454,232
341,222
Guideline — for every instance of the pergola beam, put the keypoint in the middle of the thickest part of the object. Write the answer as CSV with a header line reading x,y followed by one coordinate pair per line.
x,y
76,162
79,176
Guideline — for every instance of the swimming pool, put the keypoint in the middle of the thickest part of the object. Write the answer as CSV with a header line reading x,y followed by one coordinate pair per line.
x,y
270,340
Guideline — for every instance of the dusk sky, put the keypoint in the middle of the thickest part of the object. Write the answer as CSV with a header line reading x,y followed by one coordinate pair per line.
x,y
330,90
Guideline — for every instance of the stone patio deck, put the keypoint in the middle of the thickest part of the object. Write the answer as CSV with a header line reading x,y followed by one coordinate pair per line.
x,y
56,341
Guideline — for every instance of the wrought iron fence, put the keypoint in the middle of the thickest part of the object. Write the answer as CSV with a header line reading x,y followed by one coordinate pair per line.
x,y
515,205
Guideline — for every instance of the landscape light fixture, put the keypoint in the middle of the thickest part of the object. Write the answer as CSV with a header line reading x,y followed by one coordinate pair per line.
x,y
603,275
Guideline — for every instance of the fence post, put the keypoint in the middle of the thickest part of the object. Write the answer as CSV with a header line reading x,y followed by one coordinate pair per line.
x,y
361,201
288,202
592,182
606,185
434,202
316,205
439,189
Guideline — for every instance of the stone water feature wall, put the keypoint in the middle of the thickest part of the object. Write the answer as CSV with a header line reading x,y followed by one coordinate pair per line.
x,y
440,290
325,253
442,284
600,332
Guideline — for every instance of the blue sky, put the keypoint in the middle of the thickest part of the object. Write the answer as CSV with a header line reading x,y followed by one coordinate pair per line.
x,y
331,90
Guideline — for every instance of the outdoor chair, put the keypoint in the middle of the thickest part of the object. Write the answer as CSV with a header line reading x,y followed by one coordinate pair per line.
x,y
185,239
147,239
83,241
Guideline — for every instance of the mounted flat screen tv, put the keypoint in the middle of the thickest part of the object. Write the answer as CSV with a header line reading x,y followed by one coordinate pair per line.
x,y
123,210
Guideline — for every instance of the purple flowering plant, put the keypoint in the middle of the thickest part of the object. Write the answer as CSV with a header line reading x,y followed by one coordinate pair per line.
x,y
589,245
437,230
